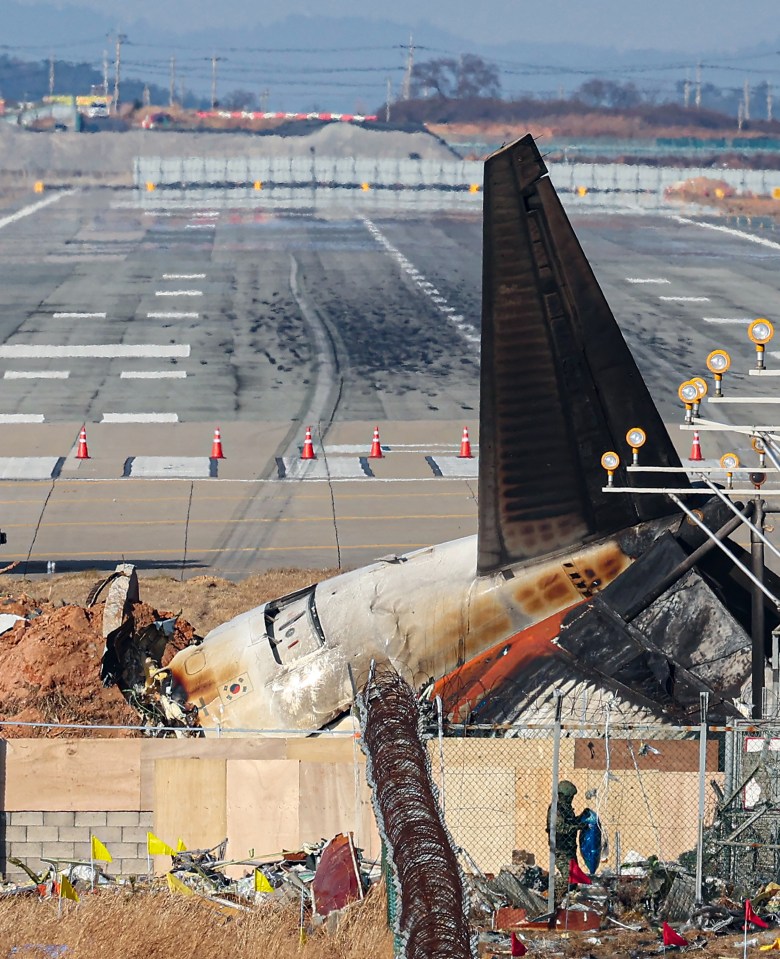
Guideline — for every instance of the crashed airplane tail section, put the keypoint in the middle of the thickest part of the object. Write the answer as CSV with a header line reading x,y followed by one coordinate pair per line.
x,y
559,386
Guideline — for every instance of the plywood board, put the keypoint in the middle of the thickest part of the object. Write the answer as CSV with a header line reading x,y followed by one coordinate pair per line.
x,y
336,798
324,750
227,748
667,755
189,803
81,774
262,808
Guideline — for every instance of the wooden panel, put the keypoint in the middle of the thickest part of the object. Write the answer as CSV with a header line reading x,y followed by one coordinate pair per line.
x,y
262,808
330,803
189,803
79,774
673,756
222,748
324,750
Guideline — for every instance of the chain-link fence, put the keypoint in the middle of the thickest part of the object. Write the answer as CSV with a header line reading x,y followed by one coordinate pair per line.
x,y
660,794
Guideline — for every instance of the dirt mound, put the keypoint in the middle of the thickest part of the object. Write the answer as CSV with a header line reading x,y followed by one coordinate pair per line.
x,y
50,661
700,188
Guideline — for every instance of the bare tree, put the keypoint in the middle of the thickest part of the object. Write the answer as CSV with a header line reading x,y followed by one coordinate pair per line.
x,y
447,78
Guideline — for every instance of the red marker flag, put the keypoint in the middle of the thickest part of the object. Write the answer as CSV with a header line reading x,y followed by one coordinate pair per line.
x,y
751,916
672,938
519,948
576,875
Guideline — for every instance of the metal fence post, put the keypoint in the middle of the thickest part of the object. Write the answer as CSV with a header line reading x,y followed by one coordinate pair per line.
x,y
554,799
704,700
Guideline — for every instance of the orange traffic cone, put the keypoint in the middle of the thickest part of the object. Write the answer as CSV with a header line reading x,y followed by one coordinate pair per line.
x,y
695,456
307,453
216,446
465,446
82,453
376,450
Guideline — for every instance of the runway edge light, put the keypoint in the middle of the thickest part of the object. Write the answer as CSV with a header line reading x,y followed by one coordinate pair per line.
x,y
729,462
760,332
610,462
688,392
718,363
636,439
758,447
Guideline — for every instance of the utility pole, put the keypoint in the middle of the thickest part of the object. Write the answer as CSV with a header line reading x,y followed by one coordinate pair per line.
x,y
51,75
214,61
264,100
387,99
768,102
120,39
740,115
757,619
698,86
687,92
172,83
406,90
746,97
105,73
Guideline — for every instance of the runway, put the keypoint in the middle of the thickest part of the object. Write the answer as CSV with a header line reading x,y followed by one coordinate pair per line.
x,y
152,319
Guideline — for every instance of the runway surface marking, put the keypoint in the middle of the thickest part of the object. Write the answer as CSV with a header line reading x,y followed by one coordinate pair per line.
x,y
33,208
727,319
453,467
467,330
184,276
140,418
22,418
153,375
637,279
256,520
340,468
762,241
194,553
36,374
685,299
93,351
172,315
207,213
178,293
29,467
200,226
79,316
183,467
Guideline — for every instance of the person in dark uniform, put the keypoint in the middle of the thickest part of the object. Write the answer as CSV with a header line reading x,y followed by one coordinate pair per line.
x,y
567,827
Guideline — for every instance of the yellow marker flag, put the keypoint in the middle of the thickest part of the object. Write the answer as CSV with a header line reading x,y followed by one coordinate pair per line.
x,y
176,885
261,882
180,847
99,851
156,847
66,889
772,947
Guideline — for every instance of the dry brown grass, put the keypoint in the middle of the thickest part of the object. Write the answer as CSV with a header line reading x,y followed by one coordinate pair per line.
x,y
121,925
204,601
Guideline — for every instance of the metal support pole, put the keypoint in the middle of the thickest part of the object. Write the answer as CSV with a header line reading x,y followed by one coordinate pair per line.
x,y
757,620
704,701
554,799
775,670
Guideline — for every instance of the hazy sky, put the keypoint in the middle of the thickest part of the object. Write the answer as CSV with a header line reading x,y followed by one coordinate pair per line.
x,y
688,25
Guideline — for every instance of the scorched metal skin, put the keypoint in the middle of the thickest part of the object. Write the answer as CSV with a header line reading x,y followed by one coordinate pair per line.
x,y
535,599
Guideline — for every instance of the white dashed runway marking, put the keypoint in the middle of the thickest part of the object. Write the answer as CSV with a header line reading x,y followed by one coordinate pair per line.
x,y
467,330
184,276
79,316
167,467
319,469
33,208
153,375
178,293
36,374
453,467
30,467
200,226
725,320
649,279
172,315
94,351
140,418
22,418
685,299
